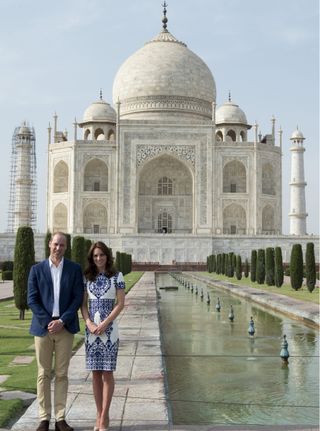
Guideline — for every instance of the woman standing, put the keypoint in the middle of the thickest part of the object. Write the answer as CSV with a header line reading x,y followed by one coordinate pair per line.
x,y
103,301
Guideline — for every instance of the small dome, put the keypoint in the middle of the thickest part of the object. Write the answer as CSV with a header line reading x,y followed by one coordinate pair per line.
x,y
24,129
297,135
99,111
230,113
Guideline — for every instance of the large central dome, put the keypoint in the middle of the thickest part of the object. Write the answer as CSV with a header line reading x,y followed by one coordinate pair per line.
x,y
164,78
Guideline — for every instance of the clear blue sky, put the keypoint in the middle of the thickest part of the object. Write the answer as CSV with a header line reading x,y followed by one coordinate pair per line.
x,y
55,56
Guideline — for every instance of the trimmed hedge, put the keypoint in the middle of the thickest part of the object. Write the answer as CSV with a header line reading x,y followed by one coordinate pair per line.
x,y
7,275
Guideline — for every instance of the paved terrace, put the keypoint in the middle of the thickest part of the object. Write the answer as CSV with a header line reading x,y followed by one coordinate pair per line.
x,y
139,400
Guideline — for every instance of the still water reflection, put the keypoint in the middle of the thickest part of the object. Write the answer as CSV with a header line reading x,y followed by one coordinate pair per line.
x,y
217,374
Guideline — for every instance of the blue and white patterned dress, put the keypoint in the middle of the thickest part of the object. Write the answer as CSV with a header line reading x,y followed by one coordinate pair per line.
x,y
102,350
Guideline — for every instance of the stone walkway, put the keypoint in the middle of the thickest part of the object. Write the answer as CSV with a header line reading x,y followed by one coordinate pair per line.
x,y
139,400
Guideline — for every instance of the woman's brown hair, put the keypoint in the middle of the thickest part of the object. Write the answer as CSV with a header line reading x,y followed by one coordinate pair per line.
x,y
91,271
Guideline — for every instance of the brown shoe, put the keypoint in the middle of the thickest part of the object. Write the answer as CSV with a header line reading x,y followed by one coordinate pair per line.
x,y
63,426
43,426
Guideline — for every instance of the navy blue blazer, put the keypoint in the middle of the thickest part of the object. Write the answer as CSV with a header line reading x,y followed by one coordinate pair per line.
x,y
40,296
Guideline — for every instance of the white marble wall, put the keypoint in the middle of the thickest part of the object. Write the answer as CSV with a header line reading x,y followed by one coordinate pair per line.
x,y
168,248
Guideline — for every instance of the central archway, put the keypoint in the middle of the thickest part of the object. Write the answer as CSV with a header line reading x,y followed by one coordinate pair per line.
x,y
165,196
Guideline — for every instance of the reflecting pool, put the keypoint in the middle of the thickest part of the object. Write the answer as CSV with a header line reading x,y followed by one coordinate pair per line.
x,y
217,374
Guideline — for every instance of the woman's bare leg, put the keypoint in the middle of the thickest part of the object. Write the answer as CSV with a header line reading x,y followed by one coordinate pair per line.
x,y
108,389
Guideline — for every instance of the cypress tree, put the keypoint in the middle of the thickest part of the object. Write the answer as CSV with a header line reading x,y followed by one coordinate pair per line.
x,y
209,263
226,263
234,261
238,267
296,267
87,246
261,270
231,264
118,261
214,263
218,263
77,252
278,272
68,249
46,244
310,267
23,261
270,266
253,266
223,258
246,268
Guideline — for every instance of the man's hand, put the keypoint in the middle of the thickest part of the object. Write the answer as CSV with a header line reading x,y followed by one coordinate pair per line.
x,y
55,326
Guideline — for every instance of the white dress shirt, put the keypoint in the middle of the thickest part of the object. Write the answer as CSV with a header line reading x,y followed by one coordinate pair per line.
x,y
56,272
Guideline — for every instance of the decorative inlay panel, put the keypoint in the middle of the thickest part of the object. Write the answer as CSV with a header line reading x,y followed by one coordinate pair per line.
x,y
147,152
203,184
166,103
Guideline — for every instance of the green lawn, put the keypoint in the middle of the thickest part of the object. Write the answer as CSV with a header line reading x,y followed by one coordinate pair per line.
x,y
15,340
302,294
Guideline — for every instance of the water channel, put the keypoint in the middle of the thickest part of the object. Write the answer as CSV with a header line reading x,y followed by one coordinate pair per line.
x,y
217,374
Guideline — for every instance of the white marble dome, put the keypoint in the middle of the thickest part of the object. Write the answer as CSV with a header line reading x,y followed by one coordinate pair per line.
x,y
297,135
99,111
24,129
164,76
230,113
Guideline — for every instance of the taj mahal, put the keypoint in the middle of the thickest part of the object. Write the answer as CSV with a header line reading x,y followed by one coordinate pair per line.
x,y
167,175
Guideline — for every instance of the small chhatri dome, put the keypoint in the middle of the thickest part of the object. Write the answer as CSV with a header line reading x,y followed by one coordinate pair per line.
x,y
230,113
99,111
24,129
162,77
297,135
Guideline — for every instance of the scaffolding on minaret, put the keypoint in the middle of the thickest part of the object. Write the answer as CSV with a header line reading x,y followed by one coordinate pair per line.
x,y
23,179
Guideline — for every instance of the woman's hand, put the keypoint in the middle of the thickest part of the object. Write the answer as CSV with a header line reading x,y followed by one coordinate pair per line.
x,y
91,326
101,328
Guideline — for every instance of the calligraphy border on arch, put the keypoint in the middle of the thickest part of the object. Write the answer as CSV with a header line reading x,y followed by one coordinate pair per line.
x,y
145,153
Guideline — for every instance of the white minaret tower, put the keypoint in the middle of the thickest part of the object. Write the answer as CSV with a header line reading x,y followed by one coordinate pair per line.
x,y
298,215
22,202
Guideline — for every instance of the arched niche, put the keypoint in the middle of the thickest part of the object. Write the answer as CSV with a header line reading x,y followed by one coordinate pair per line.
x,y
243,136
219,136
165,195
60,177
99,134
268,226
111,135
60,218
87,135
232,135
234,177
268,179
96,176
234,220
95,218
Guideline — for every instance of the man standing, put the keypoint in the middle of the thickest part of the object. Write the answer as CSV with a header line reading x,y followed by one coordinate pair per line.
x,y
55,293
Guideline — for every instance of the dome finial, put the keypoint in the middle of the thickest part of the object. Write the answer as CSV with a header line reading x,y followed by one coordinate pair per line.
x,y
100,93
164,19
229,98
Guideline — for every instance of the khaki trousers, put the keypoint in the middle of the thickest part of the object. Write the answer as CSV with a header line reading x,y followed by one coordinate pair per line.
x,y
61,345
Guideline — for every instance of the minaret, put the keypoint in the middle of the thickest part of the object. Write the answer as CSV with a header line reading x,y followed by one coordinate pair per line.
x,y
298,215
22,202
